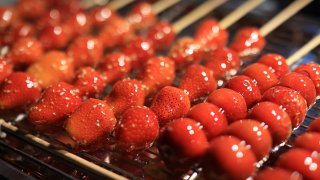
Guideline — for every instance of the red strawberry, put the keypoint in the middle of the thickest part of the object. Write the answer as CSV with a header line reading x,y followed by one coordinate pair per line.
x,y
309,141
19,29
161,34
8,15
115,66
85,51
124,94
52,67
90,122
137,130
100,15
5,69
312,70
141,16
55,105
277,63
157,73
198,81
315,125
170,103
18,89
55,36
80,22
90,82
277,173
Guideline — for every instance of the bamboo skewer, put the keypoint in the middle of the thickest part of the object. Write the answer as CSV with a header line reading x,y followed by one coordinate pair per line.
x,y
196,14
285,14
118,4
239,13
160,6
313,43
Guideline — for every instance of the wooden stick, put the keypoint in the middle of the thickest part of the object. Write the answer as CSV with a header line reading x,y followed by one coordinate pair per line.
x,y
160,6
108,174
285,14
196,14
313,43
239,13
118,4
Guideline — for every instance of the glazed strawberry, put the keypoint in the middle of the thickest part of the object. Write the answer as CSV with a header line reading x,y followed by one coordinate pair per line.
x,y
31,9
309,141
5,69
230,158
248,42
55,36
161,34
303,161
211,118
170,103
264,77
275,117
140,50
247,87
100,15
89,82
313,71
292,101
137,130
117,31
315,125
80,22
223,62
115,66
182,142
254,133
302,84
51,18
157,73
52,67
276,62
232,103
125,93
25,51
277,173
8,16
141,16
18,89
211,35
85,51
90,122
186,51
55,105
19,29
198,81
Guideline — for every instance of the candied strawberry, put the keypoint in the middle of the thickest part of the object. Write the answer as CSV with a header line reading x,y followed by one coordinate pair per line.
x,y
115,66
186,51
276,62
140,50
230,158
117,31
31,9
18,89
211,117
100,15
211,35
248,42
157,73
170,103
125,93
302,161
141,16
52,67
89,82
254,133
90,122
19,30
247,87
277,173
292,101
8,16
80,22
55,36
5,69
198,81
315,125
232,103
223,62
85,51
55,105
302,84
277,119
264,77
182,142
161,34
309,141
313,71
25,51
137,130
